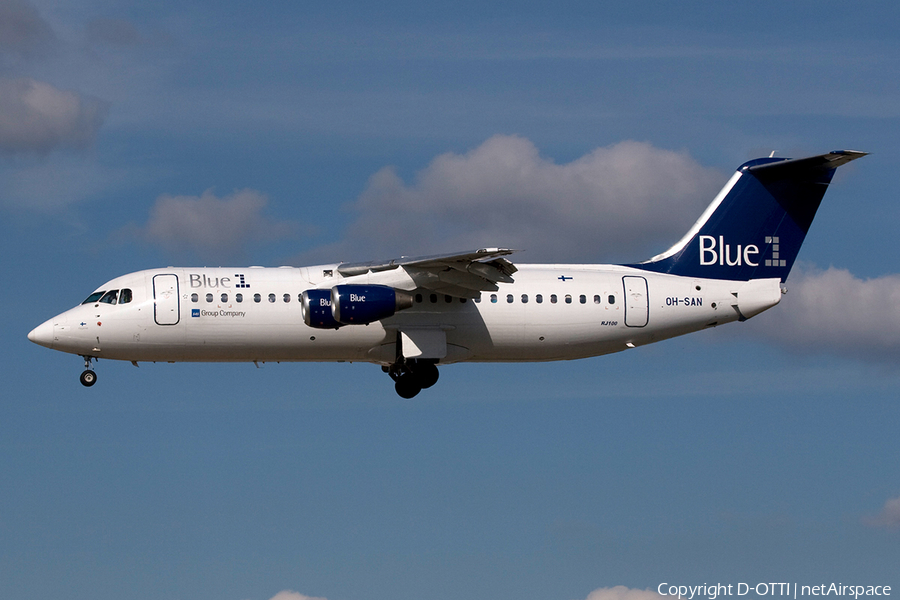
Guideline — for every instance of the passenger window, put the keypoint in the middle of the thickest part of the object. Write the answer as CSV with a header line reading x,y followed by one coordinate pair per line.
x,y
257,297
125,296
539,298
448,299
462,300
612,299
478,299
195,297
418,298
509,298
271,297
524,298
494,298
239,298
110,297
552,298
224,297
568,299
93,297
596,299
582,298
433,298
287,298
209,297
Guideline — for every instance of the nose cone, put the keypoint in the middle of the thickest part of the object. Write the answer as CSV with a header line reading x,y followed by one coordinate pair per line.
x,y
43,334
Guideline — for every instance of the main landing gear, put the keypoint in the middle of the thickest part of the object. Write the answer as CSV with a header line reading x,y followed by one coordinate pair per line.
x,y
412,376
88,377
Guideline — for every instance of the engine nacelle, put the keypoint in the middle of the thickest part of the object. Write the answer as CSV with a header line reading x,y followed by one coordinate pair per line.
x,y
316,308
364,304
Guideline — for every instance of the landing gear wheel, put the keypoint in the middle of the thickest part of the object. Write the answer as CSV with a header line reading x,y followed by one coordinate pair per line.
x,y
427,374
88,378
407,386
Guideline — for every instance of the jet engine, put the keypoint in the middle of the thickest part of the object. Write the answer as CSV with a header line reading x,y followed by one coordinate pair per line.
x,y
316,308
352,305
364,304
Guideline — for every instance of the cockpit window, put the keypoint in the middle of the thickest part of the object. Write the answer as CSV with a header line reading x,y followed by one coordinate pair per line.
x,y
110,297
125,296
93,297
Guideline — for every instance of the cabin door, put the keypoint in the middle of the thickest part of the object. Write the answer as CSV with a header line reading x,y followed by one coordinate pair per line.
x,y
165,299
637,312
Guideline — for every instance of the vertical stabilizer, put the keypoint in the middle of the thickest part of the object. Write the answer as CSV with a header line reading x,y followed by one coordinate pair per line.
x,y
754,227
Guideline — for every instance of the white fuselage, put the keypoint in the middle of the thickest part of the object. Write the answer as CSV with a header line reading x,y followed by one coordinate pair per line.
x,y
550,312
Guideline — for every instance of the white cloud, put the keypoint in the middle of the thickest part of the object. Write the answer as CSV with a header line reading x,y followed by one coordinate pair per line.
x,y
36,117
214,228
114,32
49,183
887,518
620,592
835,312
613,202
23,31
289,595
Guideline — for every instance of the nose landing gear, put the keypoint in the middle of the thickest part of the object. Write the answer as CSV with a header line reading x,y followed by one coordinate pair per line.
x,y
88,377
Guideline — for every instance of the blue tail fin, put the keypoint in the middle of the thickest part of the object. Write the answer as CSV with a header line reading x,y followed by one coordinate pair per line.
x,y
754,228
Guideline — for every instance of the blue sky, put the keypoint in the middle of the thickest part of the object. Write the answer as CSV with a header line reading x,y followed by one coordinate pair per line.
x,y
134,136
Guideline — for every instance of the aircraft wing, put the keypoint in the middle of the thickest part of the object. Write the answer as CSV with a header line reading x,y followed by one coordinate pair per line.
x,y
463,274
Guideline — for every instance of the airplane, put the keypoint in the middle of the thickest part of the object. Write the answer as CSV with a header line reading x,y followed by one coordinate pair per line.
x,y
411,314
